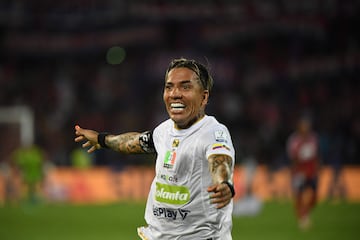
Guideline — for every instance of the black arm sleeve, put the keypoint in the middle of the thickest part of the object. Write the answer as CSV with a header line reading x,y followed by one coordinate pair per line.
x,y
146,142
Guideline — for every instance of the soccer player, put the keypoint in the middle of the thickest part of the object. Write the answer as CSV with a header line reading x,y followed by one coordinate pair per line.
x,y
303,151
30,161
191,194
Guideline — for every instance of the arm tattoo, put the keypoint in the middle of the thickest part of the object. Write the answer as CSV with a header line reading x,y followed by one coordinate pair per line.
x,y
125,143
220,166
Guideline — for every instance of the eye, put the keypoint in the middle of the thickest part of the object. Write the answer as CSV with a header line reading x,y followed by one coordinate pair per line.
x,y
186,86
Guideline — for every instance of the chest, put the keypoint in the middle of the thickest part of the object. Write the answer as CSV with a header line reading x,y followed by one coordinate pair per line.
x,y
179,159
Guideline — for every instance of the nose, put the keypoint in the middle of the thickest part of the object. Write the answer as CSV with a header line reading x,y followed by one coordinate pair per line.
x,y
175,93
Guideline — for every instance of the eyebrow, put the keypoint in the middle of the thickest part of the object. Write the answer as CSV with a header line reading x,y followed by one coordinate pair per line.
x,y
181,82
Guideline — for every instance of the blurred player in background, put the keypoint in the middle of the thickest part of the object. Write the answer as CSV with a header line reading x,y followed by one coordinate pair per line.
x,y
30,162
191,194
303,151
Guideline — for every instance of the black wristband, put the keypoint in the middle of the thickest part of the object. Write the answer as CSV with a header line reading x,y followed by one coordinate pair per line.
x,y
101,139
231,188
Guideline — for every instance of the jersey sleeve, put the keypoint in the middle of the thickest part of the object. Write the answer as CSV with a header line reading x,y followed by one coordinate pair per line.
x,y
218,142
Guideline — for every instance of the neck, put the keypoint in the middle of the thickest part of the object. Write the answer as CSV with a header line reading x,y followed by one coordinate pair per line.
x,y
190,123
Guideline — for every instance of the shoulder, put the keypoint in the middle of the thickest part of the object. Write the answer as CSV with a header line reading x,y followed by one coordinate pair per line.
x,y
217,140
218,130
164,124
162,127
217,135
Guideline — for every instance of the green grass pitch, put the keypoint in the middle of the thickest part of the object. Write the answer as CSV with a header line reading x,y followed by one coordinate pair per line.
x,y
119,221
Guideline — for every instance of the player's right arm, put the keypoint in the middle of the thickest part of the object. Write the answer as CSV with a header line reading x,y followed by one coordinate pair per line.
x,y
127,143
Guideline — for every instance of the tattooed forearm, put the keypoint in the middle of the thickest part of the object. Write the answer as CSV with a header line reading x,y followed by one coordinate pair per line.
x,y
220,166
125,143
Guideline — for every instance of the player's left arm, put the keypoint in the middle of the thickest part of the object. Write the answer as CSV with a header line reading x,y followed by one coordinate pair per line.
x,y
220,166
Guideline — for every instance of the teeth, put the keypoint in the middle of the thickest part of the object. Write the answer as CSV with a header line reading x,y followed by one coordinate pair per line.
x,y
177,105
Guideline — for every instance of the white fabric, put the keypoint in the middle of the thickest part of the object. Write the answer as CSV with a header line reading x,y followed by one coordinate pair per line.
x,y
178,205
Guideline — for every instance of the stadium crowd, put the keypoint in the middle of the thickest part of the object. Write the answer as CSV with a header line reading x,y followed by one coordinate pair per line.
x,y
271,60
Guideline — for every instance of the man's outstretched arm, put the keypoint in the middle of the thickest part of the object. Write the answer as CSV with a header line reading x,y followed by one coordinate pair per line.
x,y
127,143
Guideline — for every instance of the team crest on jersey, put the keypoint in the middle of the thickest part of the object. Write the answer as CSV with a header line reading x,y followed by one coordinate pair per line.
x,y
169,160
175,143
220,136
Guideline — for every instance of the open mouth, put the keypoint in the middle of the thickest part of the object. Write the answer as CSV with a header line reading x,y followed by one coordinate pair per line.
x,y
177,106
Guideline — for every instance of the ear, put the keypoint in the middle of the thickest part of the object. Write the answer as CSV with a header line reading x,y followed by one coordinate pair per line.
x,y
205,97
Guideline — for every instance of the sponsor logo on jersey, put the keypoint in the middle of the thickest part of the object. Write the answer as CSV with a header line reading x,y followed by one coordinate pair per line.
x,y
169,178
169,160
219,146
221,136
172,194
170,213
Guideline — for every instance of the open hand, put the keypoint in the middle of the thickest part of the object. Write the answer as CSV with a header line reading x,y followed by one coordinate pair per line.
x,y
90,136
221,194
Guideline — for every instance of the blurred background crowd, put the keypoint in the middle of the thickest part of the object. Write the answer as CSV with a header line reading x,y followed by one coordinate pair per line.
x,y
101,64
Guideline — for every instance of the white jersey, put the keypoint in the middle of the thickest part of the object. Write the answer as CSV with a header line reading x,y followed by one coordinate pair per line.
x,y
178,205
